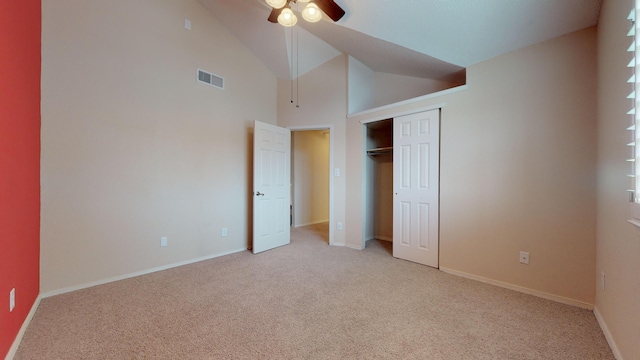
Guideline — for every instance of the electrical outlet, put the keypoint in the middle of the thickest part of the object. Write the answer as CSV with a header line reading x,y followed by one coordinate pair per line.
x,y
163,241
339,226
12,299
524,257
602,280
224,232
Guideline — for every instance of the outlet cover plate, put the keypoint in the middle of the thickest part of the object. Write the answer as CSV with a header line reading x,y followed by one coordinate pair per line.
x,y
163,241
12,299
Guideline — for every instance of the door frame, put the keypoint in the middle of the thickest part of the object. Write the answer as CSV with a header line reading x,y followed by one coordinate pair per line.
x,y
331,178
375,116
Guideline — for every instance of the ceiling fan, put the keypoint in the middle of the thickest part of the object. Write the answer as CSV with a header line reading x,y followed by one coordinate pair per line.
x,y
282,13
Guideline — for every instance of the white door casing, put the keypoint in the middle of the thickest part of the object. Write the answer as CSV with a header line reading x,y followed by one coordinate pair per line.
x,y
416,155
271,186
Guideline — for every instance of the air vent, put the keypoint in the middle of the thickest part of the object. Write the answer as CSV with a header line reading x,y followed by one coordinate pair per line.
x,y
210,79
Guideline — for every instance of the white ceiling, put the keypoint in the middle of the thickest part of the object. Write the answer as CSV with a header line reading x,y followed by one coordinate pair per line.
x,y
425,38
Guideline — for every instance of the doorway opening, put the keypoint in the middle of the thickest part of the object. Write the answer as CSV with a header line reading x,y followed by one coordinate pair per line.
x,y
379,184
402,177
311,183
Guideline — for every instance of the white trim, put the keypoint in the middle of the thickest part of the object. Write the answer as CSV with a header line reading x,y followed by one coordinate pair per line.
x,y
16,342
402,113
138,273
332,240
541,294
311,223
351,246
309,127
410,101
634,213
363,190
607,334
635,223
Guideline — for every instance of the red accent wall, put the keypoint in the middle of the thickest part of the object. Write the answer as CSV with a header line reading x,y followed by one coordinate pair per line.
x,y
20,30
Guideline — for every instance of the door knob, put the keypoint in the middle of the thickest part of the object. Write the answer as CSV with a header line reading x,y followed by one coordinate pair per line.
x,y
259,194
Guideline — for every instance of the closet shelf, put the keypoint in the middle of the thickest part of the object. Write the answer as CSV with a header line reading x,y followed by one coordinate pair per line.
x,y
381,150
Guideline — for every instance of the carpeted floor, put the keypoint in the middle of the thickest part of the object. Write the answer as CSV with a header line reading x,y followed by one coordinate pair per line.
x,y
308,300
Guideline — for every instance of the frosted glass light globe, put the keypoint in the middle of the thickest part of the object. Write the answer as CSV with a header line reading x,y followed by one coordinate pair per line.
x,y
312,13
277,4
287,18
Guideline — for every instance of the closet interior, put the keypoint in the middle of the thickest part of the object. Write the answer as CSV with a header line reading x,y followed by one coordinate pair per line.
x,y
379,180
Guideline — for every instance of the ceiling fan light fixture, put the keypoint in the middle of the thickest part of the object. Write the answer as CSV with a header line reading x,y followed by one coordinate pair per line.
x,y
312,13
277,4
287,18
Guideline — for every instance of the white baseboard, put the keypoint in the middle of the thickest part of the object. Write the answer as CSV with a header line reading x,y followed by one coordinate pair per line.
x,y
607,334
16,342
541,294
138,273
311,223
354,246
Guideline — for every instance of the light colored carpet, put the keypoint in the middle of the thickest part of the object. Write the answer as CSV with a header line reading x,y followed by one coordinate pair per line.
x,y
308,300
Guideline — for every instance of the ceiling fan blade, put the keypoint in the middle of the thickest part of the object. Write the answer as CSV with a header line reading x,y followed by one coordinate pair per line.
x,y
273,17
329,7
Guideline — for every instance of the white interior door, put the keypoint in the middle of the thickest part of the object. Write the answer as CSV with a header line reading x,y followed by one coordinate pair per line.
x,y
271,181
416,155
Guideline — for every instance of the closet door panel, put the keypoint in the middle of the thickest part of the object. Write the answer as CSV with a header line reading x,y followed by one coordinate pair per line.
x,y
416,187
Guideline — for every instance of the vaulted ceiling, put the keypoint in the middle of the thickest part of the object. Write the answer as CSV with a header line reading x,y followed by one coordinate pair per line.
x,y
433,39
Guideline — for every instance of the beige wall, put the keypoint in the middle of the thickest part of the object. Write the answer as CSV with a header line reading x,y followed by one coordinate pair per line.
x,y
392,88
323,102
310,172
618,242
517,170
368,89
361,84
133,148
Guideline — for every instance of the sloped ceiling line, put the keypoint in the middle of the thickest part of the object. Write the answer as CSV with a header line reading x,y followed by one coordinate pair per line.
x,y
433,39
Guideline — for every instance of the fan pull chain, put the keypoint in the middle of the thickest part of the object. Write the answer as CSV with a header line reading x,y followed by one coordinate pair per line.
x,y
291,64
297,68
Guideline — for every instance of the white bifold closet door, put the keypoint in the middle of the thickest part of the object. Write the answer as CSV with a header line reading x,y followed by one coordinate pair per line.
x,y
416,155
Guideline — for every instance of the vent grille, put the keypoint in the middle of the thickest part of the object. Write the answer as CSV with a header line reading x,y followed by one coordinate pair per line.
x,y
210,79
